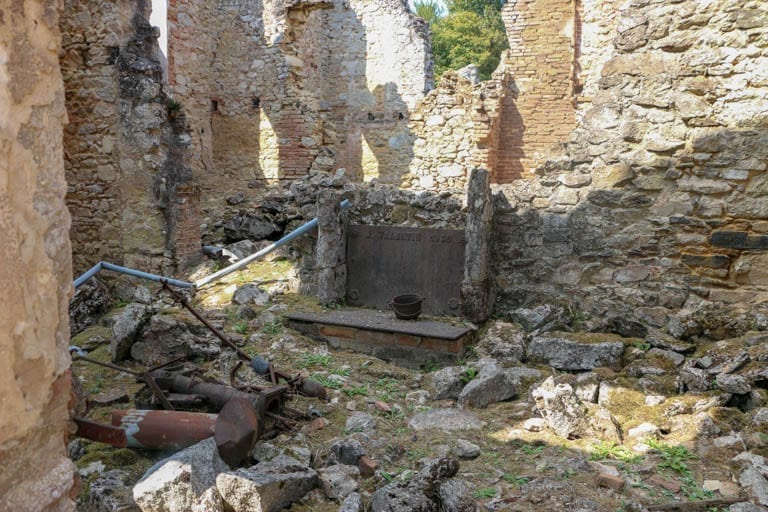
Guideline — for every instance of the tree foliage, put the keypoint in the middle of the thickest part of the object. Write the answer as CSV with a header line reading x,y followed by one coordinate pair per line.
x,y
471,33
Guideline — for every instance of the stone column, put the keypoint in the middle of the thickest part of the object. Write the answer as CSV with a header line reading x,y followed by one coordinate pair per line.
x,y
330,253
477,289
35,263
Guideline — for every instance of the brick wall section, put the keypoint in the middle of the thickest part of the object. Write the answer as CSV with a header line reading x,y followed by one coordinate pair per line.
x,y
187,230
404,349
539,113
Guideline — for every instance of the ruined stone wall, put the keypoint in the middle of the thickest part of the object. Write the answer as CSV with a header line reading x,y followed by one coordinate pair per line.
x,y
538,111
658,201
275,89
455,128
35,273
124,144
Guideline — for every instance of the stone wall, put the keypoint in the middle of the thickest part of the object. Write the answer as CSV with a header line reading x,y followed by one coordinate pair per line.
x,y
658,200
125,144
275,89
455,129
35,273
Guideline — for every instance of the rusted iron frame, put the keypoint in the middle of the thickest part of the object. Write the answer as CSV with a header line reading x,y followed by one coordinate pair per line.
x,y
101,433
145,376
184,302
273,372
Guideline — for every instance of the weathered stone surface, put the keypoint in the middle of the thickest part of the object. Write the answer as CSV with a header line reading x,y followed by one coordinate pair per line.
x,y
346,452
503,341
338,481
738,240
360,422
175,483
330,250
456,496
268,486
352,503
566,351
466,450
421,493
477,287
446,420
492,384
126,328
110,492
737,384
90,301
250,294
447,382
569,417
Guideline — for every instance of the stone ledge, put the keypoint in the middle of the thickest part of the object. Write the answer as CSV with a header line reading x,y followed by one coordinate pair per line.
x,y
413,344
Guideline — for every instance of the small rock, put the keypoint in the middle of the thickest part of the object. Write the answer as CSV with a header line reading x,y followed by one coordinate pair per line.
x,y
418,397
533,318
447,382
755,484
267,486
644,431
674,357
503,341
360,422
492,384
761,416
610,481
446,420
367,466
338,481
250,294
382,406
535,424
352,503
564,351
126,328
314,425
670,485
651,400
111,491
466,450
175,483
456,496
746,507
736,384
346,451
728,442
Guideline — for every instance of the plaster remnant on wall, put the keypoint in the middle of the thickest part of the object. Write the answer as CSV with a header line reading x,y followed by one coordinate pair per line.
x,y
36,271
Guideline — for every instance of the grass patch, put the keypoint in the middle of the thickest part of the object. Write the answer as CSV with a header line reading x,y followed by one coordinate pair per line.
x,y
611,450
484,493
315,361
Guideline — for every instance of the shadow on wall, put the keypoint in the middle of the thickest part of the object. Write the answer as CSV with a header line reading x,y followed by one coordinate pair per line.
x,y
683,229
290,107
509,151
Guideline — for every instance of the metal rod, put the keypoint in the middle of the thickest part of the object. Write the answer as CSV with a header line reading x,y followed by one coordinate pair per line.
x,y
103,265
304,228
184,302
108,365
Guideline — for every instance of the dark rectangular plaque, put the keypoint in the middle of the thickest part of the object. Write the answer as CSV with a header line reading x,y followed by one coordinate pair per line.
x,y
384,261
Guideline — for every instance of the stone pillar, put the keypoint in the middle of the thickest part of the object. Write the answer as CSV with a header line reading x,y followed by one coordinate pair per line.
x,y
35,263
330,253
477,289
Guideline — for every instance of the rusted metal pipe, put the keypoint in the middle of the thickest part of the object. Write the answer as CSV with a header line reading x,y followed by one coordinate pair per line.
x,y
217,394
164,430
101,433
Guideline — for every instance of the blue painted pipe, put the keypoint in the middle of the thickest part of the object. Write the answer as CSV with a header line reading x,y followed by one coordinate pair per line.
x,y
103,265
268,249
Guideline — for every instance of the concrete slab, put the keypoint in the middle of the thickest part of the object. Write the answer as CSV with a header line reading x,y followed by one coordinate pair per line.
x,y
373,320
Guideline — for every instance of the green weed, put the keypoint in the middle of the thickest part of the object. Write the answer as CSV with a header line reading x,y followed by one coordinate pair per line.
x,y
315,361
611,450
486,492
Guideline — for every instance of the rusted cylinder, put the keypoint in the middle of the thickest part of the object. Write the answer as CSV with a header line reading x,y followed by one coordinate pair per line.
x,y
217,394
164,430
